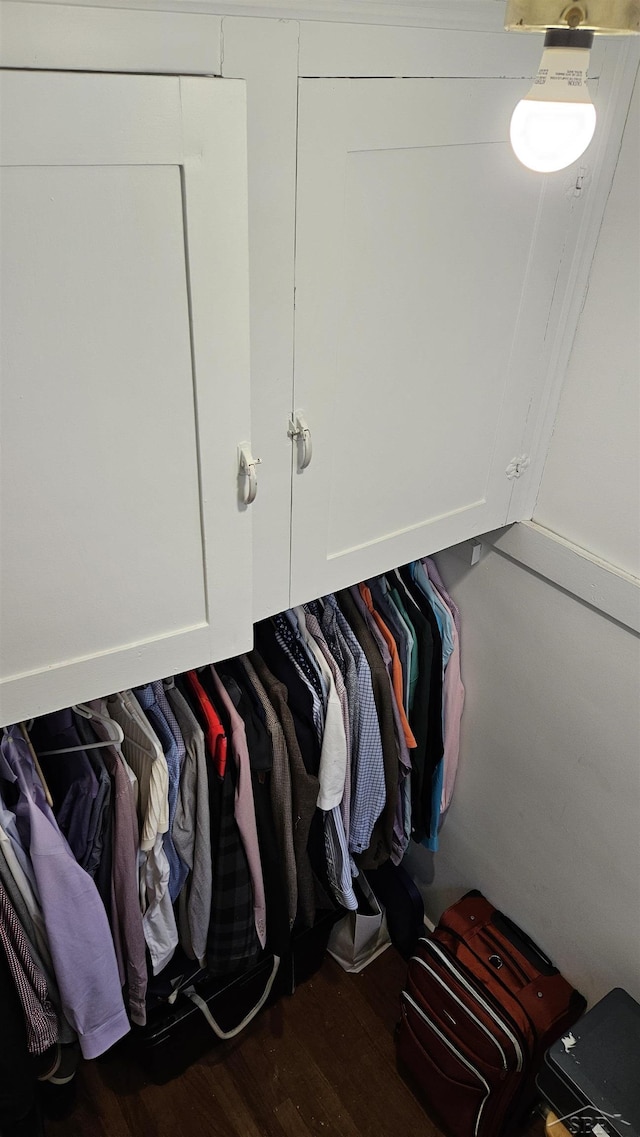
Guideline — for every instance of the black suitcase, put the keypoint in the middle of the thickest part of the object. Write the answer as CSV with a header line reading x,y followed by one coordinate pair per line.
x,y
177,1033
591,1076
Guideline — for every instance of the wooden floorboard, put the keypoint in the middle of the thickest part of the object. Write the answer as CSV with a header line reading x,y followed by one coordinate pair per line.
x,y
319,1064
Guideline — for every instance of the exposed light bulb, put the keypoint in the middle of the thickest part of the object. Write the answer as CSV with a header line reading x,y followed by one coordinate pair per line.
x,y
553,125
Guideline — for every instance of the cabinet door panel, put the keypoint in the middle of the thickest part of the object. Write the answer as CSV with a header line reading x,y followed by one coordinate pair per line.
x,y
124,383
425,262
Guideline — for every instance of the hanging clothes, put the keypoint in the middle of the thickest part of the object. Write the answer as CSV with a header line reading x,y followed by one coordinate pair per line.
x,y
126,915
232,941
304,789
192,830
71,780
244,810
280,789
86,967
241,800
153,702
145,755
394,664
453,691
381,842
368,792
233,678
39,1014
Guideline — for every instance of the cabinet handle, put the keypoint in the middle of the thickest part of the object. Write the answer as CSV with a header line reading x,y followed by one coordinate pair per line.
x,y
248,475
299,430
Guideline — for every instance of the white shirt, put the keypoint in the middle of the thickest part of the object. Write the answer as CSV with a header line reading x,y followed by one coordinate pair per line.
x,y
145,756
158,919
333,753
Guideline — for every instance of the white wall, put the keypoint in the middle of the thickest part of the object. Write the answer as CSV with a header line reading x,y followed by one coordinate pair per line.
x,y
546,813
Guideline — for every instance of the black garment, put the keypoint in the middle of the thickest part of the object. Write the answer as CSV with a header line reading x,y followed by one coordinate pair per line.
x,y
232,941
304,792
419,717
290,638
261,759
299,697
381,842
185,689
17,1078
101,873
301,705
421,794
69,776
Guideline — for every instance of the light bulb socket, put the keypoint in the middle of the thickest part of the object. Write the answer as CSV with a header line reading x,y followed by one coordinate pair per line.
x,y
604,17
569,37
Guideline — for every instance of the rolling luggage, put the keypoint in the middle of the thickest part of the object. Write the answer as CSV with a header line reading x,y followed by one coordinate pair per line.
x,y
480,1007
590,1076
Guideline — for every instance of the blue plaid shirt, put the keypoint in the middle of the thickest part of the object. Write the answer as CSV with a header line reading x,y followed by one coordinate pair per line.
x,y
367,764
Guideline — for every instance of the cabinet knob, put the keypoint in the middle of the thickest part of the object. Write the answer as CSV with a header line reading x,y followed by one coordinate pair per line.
x,y
299,430
248,475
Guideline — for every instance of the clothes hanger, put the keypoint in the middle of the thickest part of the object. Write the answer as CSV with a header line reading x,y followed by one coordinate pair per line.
x,y
88,713
74,749
24,731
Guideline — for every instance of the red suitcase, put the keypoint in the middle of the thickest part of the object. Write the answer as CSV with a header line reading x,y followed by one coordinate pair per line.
x,y
480,1007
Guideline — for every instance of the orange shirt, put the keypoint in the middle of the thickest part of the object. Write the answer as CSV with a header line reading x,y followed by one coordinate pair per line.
x,y
396,667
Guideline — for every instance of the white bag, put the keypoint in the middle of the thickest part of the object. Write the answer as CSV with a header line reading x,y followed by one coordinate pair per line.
x,y
360,936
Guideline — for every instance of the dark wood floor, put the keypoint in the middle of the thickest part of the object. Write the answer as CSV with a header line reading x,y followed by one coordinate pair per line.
x,y
320,1064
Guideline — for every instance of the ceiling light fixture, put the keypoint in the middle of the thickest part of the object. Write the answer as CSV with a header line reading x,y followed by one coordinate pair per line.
x,y
555,122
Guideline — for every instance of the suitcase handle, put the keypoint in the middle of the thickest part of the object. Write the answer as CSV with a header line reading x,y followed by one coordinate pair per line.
x,y
513,933
523,942
199,1002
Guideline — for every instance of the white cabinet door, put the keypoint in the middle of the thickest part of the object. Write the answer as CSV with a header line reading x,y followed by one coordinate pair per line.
x,y
125,385
426,258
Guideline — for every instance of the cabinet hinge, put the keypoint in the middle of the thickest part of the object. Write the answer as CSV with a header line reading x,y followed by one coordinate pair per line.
x,y
517,466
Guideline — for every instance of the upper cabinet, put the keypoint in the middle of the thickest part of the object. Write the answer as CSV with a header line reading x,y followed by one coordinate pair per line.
x,y
426,258
126,554
340,212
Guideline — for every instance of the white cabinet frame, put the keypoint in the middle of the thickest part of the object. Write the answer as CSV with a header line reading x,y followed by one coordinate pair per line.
x,y
199,125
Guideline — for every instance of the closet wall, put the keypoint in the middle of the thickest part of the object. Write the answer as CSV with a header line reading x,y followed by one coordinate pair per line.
x,y
546,816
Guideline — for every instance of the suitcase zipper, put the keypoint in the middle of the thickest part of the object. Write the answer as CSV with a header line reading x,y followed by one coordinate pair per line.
x,y
455,1051
490,1011
483,1028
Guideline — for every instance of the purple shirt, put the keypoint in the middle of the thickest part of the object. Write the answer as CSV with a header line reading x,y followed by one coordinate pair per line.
x,y
79,937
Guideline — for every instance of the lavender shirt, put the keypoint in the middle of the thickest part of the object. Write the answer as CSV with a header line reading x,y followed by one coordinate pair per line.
x,y
79,937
